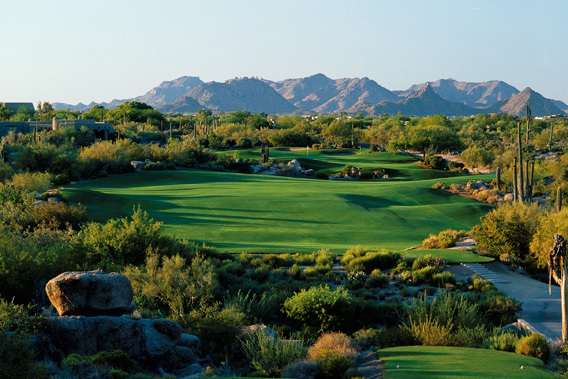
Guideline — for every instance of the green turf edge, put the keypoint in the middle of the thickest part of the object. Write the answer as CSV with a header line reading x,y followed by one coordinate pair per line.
x,y
452,256
416,362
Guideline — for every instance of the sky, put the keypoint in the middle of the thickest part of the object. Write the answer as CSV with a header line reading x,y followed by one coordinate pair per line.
x,y
81,51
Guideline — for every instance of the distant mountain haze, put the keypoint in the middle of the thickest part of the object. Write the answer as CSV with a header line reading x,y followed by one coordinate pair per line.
x,y
320,94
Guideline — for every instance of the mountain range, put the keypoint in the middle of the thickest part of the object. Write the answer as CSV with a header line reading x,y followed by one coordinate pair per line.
x,y
320,94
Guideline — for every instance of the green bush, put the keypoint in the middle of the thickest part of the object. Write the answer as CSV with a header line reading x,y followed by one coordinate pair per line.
x,y
508,229
357,259
506,341
436,162
534,345
320,307
377,280
429,260
442,279
116,359
17,356
120,242
456,166
218,328
440,185
269,356
423,275
333,366
257,308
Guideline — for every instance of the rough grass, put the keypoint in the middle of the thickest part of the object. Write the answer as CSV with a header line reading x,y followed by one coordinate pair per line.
x,y
458,362
257,213
450,255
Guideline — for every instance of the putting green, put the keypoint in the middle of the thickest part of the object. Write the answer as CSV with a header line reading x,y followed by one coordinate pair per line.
x,y
257,213
417,362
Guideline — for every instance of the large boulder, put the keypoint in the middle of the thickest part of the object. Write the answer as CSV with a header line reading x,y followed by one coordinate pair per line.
x,y
141,339
91,293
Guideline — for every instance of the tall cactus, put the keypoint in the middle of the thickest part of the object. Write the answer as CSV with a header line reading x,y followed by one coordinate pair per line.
x,y
523,171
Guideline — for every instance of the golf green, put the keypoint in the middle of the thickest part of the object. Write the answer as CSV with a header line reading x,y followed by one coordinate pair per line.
x,y
257,213
417,362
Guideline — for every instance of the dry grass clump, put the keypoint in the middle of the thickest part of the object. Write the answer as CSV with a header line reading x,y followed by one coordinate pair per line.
x,y
333,344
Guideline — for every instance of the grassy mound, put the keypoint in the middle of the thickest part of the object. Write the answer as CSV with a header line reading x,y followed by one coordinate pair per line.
x,y
458,362
257,213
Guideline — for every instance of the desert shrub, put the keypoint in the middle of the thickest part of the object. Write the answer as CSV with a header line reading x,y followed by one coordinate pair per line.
x,y
116,359
218,328
442,279
333,343
455,188
320,307
181,287
444,239
394,336
17,356
116,364
428,331
448,320
506,341
258,308
324,257
429,260
499,309
31,182
436,162
456,166
333,366
301,370
27,262
440,185
357,259
534,345
334,353
270,356
552,223
423,275
57,215
377,280
508,229
481,285
124,241
366,338
107,157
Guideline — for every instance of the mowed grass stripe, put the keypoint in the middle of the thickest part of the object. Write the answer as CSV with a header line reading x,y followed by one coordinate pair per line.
x,y
258,213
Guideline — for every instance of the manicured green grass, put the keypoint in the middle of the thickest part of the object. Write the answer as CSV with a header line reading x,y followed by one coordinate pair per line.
x,y
257,213
418,362
399,166
450,255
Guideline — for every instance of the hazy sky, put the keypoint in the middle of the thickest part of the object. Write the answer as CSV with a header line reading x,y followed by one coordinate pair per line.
x,y
80,50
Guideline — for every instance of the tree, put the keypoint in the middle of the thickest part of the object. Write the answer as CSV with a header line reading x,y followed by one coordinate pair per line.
x,y
476,157
97,112
24,114
5,113
45,110
508,230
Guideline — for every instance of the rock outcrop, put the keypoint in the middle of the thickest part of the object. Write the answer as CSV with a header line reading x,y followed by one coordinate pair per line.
x,y
91,293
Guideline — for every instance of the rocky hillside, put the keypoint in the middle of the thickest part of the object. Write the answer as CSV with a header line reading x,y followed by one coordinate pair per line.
x,y
424,103
321,94
241,94
184,104
170,91
516,105
477,95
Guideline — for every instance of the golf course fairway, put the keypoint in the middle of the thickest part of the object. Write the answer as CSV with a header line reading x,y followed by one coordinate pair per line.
x,y
258,213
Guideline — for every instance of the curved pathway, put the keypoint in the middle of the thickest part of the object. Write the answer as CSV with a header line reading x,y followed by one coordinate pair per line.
x,y
539,309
